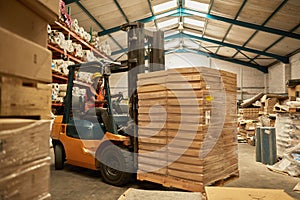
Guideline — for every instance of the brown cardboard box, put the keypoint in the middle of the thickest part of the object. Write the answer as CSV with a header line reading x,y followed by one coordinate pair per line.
x,y
22,141
47,9
23,97
294,92
19,19
28,181
224,193
21,57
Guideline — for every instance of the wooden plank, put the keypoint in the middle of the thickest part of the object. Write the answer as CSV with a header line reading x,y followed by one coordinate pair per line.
x,y
186,118
191,85
189,93
152,75
152,169
183,134
151,81
186,175
187,109
153,109
152,140
188,102
186,127
148,132
153,125
151,147
152,117
151,88
157,95
152,102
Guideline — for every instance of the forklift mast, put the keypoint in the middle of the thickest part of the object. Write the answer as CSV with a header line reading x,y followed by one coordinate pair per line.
x,y
138,38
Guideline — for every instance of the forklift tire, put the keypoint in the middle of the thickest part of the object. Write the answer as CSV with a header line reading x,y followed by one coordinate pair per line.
x,y
116,165
58,157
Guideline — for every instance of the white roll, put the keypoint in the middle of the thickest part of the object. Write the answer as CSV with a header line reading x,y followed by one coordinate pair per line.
x,y
49,29
57,40
63,87
75,22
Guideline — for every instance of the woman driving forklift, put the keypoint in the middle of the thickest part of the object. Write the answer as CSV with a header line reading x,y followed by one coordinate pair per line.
x,y
95,102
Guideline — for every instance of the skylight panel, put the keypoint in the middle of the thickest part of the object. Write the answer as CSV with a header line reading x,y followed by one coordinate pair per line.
x,y
193,22
164,6
193,33
167,23
203,7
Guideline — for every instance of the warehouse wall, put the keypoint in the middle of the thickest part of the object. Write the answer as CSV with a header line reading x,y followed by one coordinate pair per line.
x,y
249,80
295,66
278,75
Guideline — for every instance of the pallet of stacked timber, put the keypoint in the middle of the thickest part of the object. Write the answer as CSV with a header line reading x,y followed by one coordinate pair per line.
x,y
198,138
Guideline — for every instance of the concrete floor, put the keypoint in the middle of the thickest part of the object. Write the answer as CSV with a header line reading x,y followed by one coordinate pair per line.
x,y
79,183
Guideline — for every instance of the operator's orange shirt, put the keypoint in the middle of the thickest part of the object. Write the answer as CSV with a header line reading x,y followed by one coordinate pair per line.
x,y
99,96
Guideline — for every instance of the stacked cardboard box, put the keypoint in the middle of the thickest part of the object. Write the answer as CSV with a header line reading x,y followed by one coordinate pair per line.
x,y
152,122
200,127
24,165
25,74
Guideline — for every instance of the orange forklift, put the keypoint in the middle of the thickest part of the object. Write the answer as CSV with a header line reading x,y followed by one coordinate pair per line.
x,y
83,140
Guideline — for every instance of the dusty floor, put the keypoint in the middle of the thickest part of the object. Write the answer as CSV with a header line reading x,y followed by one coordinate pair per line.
x,y
79,183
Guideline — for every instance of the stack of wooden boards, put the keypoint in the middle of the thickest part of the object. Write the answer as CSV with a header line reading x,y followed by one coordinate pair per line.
x,y
187,127
25,74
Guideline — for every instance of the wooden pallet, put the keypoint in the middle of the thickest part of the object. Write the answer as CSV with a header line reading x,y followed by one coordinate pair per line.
x,y
294,110
173,182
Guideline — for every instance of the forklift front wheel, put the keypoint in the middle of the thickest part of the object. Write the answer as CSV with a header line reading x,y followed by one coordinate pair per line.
x,y
58,157
116,165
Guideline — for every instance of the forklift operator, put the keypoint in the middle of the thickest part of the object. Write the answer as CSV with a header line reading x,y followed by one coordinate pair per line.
x,y
95,101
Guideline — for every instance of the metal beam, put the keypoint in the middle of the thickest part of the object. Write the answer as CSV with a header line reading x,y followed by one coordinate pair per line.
x,y
281,58
236,16
213,17
152,13
277,41
228,59
243,24
96,21
145,20
69,1
264,23
121,10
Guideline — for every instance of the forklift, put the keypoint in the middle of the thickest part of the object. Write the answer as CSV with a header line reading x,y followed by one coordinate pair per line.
x,y
83,140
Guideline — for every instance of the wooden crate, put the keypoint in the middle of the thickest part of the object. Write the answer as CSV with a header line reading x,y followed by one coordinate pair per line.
x,y
21,97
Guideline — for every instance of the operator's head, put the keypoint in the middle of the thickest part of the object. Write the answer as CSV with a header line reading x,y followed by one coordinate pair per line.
x,y
96,77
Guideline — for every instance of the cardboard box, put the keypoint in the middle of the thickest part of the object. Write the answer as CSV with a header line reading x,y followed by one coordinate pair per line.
x,y
19,19
23,97
22,141
28,181
47,9
225,193
21,57
294,91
